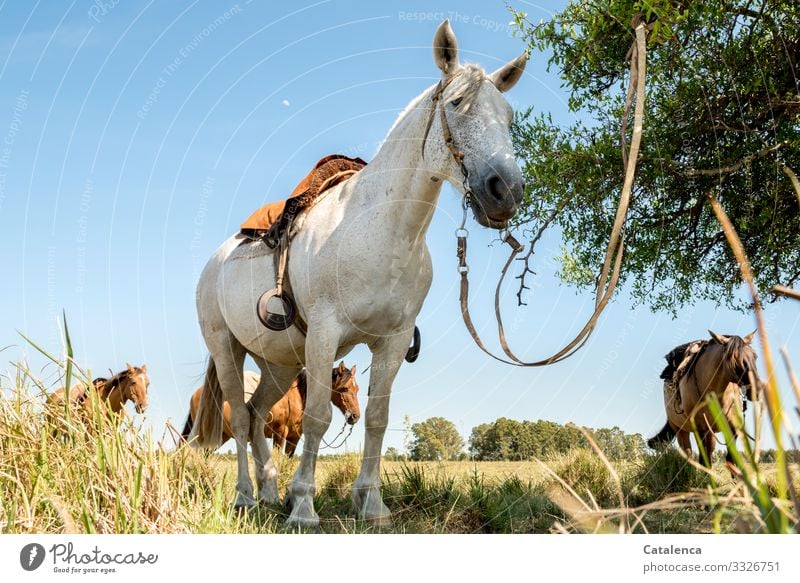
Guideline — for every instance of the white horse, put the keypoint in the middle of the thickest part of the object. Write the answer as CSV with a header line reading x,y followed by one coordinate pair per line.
x,y
360,270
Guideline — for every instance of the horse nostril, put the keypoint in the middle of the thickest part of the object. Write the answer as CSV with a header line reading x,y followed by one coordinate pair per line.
x,y
496,187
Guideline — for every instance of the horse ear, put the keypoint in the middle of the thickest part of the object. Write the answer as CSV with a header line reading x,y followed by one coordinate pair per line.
x,y
143,367
445,49
353,370
719,338
507,76
342,367
749,338
130,366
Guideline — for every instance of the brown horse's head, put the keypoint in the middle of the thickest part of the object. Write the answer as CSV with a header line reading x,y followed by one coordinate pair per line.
x,y
134,386
345,393
739,362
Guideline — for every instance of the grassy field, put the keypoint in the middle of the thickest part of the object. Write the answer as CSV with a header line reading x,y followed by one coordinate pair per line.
x,y
55,477
58,477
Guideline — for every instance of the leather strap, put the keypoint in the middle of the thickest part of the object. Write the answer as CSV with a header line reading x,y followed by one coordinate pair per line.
x,y
281,291
605,284
436,103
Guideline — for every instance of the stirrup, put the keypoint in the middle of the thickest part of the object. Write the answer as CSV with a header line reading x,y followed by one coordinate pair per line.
x,y
276,322
413,350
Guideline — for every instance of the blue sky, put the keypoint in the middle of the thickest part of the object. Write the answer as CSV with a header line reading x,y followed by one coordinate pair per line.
x,y
136,136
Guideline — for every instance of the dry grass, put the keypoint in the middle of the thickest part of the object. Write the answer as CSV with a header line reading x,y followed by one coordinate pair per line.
x,y
63,474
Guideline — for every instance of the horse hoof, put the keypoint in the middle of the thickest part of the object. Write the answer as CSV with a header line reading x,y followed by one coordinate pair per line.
x,y
242,509
270,500
384,521
269,495
302,522
243,503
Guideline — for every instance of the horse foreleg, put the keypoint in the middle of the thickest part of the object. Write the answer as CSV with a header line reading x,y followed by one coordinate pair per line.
x,y
292,439
684,441
273,381
321,346
730,463
709,442
278,439
387,356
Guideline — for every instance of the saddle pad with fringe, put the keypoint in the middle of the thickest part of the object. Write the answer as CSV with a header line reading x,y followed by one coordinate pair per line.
x,y
272,220
681,359
680,362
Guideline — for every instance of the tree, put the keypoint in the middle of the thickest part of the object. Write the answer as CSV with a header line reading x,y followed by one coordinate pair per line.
x,y
510,440
617,445
481,446
435,439
392,454
722,117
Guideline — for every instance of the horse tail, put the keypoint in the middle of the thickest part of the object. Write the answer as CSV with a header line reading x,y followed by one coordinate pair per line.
x,y
664,436
187,428
207,425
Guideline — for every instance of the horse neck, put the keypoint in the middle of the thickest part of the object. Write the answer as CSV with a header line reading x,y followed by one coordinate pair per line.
x,y
114,394
712,372
335,388
401,176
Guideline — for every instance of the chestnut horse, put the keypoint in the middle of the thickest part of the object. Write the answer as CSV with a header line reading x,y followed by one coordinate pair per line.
x,y
284,423
129,385
722,367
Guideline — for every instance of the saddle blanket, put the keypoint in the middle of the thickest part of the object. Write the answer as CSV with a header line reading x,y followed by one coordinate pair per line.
x,y
680,361
272,219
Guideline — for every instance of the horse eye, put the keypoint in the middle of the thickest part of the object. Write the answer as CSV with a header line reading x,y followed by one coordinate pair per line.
x,y
456,102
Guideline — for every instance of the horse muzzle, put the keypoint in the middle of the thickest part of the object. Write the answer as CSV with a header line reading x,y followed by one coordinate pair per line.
x,y
140,408
497,194
351,418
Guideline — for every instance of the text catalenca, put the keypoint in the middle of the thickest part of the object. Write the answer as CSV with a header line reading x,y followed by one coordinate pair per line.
x,y
671,550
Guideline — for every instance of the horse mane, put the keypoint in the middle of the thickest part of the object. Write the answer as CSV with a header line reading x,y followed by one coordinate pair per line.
x,y
466,86
341,377
736,353
105,386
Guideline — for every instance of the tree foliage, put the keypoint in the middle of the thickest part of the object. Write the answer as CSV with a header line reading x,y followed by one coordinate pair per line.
x,y
510,440
722,116
435,439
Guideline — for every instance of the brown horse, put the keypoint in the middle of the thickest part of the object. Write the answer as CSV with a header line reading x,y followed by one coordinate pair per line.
x,y
129,385
721,367
284,423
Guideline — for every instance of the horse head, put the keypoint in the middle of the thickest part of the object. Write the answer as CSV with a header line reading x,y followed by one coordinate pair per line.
x,y
475,121
345,393
135,387
739,361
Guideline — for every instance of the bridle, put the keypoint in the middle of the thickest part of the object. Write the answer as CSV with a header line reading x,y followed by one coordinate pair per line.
x,y
333,444
447,135
462,233
609,274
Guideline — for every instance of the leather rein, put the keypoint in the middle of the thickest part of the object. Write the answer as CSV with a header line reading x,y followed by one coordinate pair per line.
x,y
605,284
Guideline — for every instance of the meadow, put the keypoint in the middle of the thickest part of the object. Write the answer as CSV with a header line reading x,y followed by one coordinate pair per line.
x,y
57,477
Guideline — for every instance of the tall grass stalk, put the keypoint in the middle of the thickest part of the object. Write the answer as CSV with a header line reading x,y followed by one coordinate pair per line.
x,y
774,511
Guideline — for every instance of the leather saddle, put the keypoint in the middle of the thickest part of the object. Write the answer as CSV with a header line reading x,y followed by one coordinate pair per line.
x,y
273,220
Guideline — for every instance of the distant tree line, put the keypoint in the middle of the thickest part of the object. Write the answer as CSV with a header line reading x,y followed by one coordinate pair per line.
x,y
510,440
792,456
